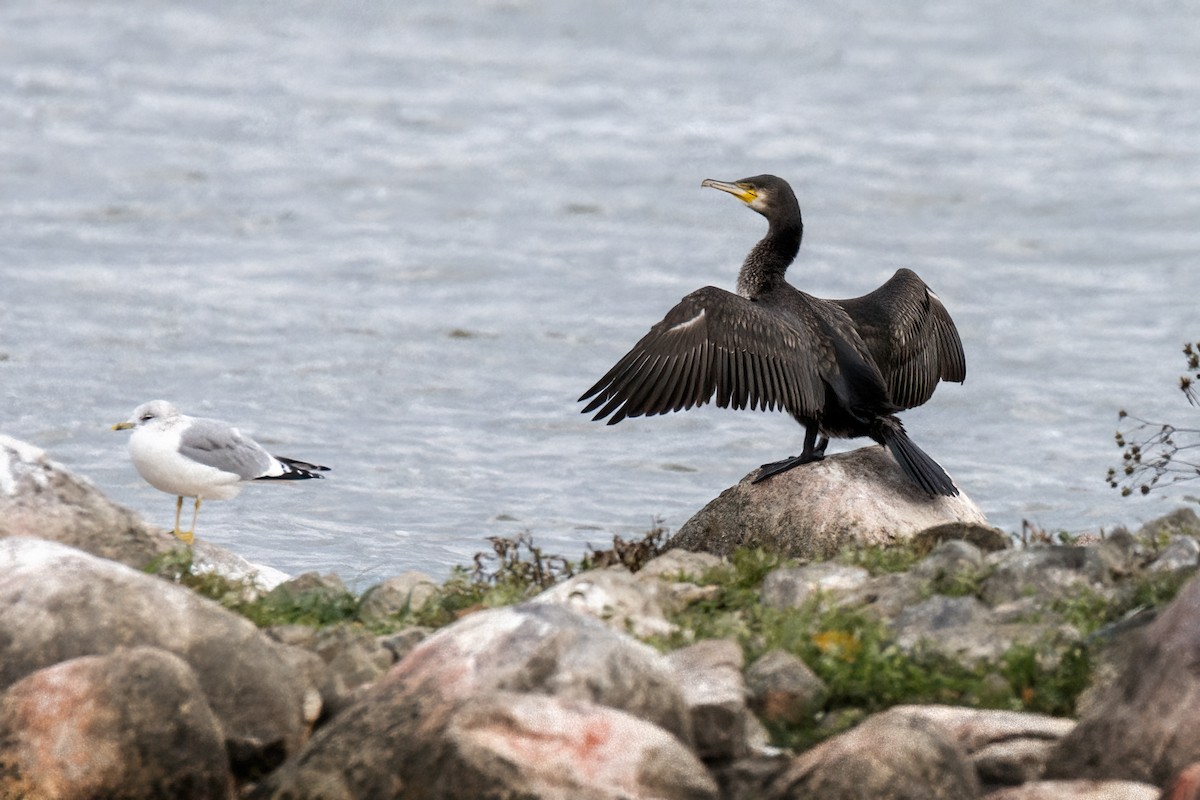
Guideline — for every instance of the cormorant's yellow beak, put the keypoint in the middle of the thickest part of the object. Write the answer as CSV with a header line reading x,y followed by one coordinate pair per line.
x,y
743,193
122,426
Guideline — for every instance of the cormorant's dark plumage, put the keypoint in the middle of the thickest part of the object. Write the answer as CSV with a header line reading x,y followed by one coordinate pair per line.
x,y
841,368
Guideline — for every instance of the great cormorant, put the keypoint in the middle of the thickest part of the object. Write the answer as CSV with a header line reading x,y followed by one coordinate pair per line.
x,y
841,368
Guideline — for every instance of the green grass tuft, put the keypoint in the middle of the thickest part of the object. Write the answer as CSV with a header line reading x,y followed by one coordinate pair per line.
x,y
279,607
881,559
854,654
1158,588
1047,688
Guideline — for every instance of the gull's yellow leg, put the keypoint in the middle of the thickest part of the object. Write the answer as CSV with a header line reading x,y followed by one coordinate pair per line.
x,y
190,536
178,508
185,536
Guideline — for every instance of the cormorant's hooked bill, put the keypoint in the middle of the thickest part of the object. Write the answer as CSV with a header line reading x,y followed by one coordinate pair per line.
x,y
841,368
745,193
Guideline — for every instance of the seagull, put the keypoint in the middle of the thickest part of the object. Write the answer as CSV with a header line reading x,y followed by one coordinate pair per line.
x,y
201,458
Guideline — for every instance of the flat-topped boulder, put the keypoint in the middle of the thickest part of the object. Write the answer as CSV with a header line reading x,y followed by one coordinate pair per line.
x,y
815,510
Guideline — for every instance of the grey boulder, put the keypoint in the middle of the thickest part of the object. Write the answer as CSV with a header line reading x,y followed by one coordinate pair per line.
x,y
57,603
816,510
460,717
133,724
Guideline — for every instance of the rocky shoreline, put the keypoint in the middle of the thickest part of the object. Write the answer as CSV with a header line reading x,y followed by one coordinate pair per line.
x,y
937,662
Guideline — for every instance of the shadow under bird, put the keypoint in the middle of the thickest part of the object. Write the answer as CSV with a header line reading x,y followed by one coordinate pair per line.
x,y
202,458
841,368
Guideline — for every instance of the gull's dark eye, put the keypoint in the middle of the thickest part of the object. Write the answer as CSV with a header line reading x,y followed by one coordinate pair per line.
x,y
146,417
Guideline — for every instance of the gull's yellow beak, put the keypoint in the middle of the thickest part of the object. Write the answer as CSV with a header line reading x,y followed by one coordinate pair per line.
x,y
743,193
122,426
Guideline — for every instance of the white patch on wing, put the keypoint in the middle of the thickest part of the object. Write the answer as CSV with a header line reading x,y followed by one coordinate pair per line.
x,y
687,324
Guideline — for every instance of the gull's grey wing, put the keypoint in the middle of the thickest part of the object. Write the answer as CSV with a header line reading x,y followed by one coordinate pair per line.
x,y
911,336
217,444
716,344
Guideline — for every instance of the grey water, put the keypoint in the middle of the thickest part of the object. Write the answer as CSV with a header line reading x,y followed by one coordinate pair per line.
x,y
401,238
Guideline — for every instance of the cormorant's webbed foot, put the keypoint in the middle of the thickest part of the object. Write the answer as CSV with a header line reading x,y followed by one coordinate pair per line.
x,y
776,467
813,450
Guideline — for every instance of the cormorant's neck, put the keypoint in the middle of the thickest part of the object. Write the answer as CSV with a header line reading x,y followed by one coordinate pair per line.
x,y
768,260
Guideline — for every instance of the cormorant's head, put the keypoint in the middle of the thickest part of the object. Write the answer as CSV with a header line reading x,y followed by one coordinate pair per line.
x,y
768,195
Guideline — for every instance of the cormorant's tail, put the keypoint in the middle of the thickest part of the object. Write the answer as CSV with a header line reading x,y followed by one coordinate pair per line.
x,y
916,463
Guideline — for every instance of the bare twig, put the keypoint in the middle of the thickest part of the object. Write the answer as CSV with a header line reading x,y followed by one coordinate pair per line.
x,y
519,560
1154,452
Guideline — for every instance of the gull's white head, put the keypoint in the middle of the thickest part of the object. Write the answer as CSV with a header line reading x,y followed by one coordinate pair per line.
x,y
148,413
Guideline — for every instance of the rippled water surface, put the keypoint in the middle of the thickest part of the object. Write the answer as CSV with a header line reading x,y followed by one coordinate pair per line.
x,y
401,238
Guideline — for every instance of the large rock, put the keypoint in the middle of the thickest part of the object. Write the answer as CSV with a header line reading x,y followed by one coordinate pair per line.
x,y
1182,552
133,724
940,616
496,674
783,689
977,728
953,563
1181,521
793,587
548,747
617,596
816,510
41,499
1005,747
678,577
546,649
1145,724
1185,785
354,657
710,675
888,757
257,578
679,564
407,592
884,596
967,631
1048,573
1078,790
57,603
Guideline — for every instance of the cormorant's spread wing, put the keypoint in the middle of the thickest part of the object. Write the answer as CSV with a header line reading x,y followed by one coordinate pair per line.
x,y
911,335
716,344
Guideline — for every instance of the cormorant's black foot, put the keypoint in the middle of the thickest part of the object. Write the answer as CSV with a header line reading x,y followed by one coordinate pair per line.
x,y
776,467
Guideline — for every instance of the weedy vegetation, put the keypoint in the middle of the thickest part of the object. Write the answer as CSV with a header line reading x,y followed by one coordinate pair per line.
x,y
849,648
855,655
316,607
1155,453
